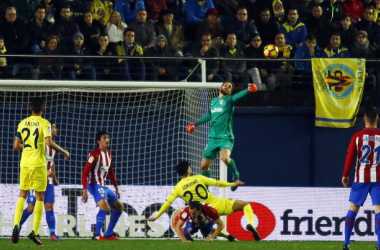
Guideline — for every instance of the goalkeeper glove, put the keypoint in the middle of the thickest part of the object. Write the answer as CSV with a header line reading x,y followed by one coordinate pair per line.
x,y
191,127
252,87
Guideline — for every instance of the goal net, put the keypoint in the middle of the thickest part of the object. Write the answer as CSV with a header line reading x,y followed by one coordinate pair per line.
x,y
148,136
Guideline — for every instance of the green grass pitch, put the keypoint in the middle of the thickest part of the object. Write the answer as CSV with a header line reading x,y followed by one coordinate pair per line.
x,y
87,244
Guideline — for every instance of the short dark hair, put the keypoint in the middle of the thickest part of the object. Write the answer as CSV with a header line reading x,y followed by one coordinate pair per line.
x,y
182,168
336,33
64,7
99,135
128,30
195,204
311,37
37,105
1,38
40,7
371,114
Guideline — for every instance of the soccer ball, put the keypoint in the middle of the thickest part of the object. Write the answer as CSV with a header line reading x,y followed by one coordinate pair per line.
x,y
270,51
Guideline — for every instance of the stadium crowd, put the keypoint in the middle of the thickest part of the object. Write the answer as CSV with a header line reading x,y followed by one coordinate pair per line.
x,y
231,29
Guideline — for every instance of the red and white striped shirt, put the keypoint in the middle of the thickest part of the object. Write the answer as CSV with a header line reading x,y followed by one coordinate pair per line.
x,y
207,215
99,165
50,153
365,145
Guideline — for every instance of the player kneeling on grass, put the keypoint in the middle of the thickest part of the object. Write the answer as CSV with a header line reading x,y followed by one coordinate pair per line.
x,y
200,217
221,136
194,188
94,176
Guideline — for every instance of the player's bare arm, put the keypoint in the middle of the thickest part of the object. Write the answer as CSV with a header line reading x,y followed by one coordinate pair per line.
x,y
345,181
178,230
219,228
53,145
85,195
17,144
55,179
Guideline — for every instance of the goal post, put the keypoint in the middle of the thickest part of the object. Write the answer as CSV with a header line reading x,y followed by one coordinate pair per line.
x,y
147,126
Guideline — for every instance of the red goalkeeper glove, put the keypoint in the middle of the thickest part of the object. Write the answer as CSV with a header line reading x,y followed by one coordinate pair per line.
x,y
252,87
191,127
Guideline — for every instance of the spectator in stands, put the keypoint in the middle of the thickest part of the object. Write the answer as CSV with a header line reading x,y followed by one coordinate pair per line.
x,y
154,8
132,69
4,68
128,9
25,9
242,27
14,32
178,8
332,10
376,16
233,70
162,69
355,8
101,10
211,24
280,72
362,49
294,30
266,26
257,69
91,29
106,68
320,27
65,27
79,67
304,8
335,49
303,68
145,34
367,24
347,31
115,29
172,30
205,49
51,8
4,4
38,30
51,67
76,6
195,13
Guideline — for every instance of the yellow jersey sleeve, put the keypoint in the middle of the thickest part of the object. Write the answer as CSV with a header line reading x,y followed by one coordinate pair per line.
x,y
169,200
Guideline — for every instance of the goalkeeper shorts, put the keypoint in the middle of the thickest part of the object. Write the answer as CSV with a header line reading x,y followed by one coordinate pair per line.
x,y
215,145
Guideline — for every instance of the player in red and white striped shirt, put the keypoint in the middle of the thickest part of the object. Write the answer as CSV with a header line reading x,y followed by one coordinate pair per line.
x,y
365,148
49,193
94,176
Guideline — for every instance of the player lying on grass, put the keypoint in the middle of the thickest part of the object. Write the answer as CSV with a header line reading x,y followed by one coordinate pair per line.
x,y
94,176
49,193
200,217
221,137
193,188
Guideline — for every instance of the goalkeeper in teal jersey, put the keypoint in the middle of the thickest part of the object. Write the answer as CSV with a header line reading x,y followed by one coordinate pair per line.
x,y
221,137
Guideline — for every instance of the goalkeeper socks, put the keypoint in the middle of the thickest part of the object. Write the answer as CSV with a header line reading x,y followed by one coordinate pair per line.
x,y
377,225
248,212
349,225
38,210
25,216
50,219
232,167
100,218
18,211
207,173
115,215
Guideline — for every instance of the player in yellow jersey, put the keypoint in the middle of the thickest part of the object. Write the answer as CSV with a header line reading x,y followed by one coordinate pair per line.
x,y
193,188
33,134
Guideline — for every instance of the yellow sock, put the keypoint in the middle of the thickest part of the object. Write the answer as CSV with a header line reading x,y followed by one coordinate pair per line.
x,y
19,210
248,212
38,210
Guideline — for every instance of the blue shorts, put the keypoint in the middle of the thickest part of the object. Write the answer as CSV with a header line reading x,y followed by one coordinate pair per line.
x,y
102,193
359,192
205,229
49,195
